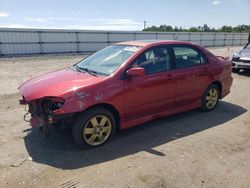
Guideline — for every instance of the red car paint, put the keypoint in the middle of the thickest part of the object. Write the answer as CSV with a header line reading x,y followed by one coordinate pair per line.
x,y
136,100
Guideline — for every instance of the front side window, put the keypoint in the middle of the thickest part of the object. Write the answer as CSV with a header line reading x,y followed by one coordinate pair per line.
x,y
108,60
154,60
187,57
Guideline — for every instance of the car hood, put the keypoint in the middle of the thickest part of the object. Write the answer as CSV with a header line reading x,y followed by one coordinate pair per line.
x,y
245,53
56,84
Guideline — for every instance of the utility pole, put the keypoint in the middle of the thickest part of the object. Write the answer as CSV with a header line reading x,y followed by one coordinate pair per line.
x,y
145,24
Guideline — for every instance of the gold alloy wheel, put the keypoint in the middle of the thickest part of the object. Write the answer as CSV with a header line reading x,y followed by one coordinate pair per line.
x,y
212,98
97,130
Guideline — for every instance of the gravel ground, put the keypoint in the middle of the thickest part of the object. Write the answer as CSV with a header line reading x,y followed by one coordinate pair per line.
x,y
190,149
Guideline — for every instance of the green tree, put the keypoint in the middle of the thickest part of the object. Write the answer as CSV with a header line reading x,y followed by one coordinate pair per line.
x,y
176,28
204,28
226,29
193,29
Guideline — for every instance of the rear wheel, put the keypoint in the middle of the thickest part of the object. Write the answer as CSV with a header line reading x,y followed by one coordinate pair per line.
x,y
94,128
210,98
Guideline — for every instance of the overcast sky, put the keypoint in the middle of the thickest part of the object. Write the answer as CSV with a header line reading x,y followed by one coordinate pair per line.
x,y
122,14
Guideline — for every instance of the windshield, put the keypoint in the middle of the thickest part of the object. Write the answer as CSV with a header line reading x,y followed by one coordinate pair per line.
x,y
108,60
247,46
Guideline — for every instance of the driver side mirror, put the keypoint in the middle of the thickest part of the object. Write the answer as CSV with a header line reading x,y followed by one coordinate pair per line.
x,y
135,72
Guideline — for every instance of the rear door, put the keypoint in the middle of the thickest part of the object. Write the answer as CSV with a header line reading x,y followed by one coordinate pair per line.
x,y
191,73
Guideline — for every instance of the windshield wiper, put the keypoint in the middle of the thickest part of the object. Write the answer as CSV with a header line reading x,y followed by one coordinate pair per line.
x,y
91,72
77,68
88,71
80,69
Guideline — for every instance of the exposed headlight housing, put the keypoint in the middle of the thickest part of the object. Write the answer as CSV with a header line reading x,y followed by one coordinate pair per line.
x,y
51,104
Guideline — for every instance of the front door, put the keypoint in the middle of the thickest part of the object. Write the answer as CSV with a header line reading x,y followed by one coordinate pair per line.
x,y
155,91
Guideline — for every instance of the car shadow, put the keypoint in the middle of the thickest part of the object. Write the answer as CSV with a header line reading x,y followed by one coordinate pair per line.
x,y
60,151
244,73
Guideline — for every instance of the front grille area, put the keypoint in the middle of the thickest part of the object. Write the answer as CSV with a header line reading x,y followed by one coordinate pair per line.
x,y
34,108
241,60
244,61
236,59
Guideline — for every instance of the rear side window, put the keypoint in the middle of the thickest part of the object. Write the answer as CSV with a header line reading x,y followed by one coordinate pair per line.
x,y
187,57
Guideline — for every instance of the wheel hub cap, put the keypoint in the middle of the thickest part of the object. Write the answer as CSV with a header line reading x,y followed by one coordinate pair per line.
x,y
97,130
211,98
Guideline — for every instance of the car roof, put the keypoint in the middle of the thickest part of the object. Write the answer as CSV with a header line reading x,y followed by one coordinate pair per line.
x,y
145,43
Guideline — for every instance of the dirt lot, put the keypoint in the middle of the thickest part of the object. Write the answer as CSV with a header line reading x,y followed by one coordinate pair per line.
x,y
191,149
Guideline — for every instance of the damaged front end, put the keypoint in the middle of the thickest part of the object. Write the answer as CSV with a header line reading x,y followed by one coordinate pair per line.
x,y
42,112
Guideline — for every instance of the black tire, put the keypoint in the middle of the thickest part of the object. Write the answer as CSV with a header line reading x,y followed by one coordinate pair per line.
x,y
235,70
81,123
204,106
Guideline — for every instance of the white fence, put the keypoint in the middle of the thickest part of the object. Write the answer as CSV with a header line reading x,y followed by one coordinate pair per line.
x,y
45,41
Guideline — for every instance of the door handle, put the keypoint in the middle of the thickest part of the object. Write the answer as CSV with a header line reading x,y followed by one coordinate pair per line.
x,y
169,76
205,70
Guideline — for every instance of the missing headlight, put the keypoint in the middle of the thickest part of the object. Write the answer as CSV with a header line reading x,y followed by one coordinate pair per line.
x,y
51,104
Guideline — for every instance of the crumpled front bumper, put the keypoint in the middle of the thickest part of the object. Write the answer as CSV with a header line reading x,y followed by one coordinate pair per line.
x,y
40,121
46,122
37,122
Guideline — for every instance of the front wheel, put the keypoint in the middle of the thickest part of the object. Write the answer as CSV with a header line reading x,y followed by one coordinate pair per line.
x,y
93,128
210,98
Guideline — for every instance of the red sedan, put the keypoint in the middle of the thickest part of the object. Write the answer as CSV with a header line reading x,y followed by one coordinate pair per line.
x,y
124,85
